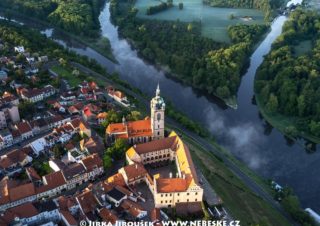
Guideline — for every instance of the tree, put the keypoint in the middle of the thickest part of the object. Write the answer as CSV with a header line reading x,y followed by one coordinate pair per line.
x,y
231,16
107,161
180,5
26,109
301,105
58,151
118,149
272,104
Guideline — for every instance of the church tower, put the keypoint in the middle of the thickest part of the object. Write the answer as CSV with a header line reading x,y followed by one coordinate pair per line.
x,y
157,106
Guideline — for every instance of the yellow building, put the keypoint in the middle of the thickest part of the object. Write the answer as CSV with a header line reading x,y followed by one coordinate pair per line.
x,y
167,192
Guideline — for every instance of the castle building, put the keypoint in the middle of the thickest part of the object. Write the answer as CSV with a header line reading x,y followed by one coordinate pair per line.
x,y
181,187
141,131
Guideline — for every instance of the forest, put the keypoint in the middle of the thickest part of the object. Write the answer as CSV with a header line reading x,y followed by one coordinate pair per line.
x,y
77,16
212,67
288,82
266,6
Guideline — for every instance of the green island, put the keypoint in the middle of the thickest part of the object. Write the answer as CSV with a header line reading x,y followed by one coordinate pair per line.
x,y
287,83
180,47
78,18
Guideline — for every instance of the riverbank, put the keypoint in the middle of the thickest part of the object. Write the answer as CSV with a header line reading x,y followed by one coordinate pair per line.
x,y
101,44
283,124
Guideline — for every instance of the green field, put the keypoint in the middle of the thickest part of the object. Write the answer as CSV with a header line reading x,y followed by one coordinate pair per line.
x,y
66,74
215,21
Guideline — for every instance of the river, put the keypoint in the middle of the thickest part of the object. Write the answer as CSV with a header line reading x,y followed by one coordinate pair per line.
x,y
242,131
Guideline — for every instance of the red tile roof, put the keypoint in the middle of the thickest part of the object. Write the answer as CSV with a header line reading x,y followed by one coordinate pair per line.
x,y
135,171
167,185
140,128
107,216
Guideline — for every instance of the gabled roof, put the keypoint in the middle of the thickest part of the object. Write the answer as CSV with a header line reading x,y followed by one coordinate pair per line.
x,y
92,161
22,191
140,128
23,127
87,201
135,171
156,145
107,216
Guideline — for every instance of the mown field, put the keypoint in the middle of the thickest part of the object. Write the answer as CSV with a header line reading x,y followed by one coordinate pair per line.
x,y
215,21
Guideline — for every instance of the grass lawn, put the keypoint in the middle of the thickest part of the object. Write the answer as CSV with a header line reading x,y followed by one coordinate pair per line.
x,y
66,73
282,122
215,21
241,202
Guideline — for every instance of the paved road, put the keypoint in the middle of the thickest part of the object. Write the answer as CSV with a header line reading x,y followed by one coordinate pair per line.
x,y
256,188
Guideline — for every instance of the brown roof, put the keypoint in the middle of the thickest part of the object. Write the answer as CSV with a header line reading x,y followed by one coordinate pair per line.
x,y
92,161
22,191
135,171
66,202
73,170
131,207
33,173
156,145
108,216
51,181
23,127
13,157
69,218
87,201
25,210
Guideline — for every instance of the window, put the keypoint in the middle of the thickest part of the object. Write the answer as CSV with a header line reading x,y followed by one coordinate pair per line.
x,y
161,195
158,116
187,193
187,200
161,201
196,200
196,193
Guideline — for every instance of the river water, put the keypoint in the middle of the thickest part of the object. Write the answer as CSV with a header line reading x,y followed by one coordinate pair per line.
x,y
242,131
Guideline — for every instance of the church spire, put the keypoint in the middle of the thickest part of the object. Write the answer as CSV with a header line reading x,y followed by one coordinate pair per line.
x,y
158,90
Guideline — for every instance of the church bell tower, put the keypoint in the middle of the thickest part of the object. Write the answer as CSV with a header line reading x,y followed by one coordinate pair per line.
x,y
157,107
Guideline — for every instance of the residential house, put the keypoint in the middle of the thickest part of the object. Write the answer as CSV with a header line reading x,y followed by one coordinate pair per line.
x,y
24,129
93,165
13,161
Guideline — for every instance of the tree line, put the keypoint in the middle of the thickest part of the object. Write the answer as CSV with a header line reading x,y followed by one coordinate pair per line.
x,y
159,8
288,83
77,16
266,6
212,67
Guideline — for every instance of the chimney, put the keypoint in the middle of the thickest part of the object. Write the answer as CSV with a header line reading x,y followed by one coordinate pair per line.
x,y
183,176
170,175
136,166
